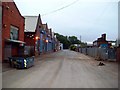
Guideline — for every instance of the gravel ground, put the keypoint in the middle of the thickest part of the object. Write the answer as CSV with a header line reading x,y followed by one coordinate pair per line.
x,y
63,69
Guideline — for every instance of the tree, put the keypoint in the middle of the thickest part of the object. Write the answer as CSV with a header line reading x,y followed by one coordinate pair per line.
x,y
69,40
74,40
64,40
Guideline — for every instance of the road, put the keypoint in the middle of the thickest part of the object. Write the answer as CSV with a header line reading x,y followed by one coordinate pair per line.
x,y
64,69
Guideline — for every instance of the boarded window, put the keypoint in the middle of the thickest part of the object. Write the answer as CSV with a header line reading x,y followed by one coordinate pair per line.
x,y
13,33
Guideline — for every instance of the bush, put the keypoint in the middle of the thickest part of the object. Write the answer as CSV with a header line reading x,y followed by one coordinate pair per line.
x,y
72,47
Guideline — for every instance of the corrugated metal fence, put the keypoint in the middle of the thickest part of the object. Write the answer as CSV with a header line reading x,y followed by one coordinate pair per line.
x,y
100,53
118,54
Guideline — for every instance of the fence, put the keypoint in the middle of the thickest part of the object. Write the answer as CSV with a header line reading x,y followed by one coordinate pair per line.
x,y
100,53
118,54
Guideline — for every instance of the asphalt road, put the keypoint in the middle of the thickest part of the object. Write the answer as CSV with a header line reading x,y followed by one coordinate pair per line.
x,y
63,69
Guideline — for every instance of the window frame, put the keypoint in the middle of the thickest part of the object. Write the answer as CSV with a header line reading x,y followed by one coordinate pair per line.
x,y
14,30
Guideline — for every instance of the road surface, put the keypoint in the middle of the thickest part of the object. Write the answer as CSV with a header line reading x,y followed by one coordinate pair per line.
x,y
64,69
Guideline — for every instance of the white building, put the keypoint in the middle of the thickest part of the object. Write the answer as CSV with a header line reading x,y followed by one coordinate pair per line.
x,y
61,46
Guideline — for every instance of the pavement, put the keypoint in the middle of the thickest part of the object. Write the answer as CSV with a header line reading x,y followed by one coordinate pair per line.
x,y
6,67
63,69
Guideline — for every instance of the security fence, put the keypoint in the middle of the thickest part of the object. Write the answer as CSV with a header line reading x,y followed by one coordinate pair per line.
x,y
100,53
118,54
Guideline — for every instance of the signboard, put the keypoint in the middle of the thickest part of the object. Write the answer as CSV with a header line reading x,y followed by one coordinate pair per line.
x,y
104,45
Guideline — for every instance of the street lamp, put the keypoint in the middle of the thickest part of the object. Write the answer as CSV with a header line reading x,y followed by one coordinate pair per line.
x,y
36,37
46,41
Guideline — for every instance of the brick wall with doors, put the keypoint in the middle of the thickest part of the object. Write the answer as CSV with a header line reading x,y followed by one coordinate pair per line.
x,y
37,36
45,37
32,33
42,39
29,38
49,40
12,30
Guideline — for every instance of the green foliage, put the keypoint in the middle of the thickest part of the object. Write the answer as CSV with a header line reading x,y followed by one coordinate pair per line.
x,y
68,41
74,40
72,47
83,44
64,40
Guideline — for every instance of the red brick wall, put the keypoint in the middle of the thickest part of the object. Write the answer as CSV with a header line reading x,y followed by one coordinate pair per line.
x,y
11,16
29,41
14,51
102,42
37,33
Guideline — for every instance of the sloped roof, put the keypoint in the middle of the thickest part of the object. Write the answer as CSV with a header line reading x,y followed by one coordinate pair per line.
x,y
11,3
30,23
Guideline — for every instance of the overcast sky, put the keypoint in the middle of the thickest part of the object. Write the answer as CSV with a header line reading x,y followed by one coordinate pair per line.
x,y
88,18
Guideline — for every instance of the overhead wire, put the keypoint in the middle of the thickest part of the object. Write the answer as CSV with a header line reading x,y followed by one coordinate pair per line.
x,y
60,8
107,8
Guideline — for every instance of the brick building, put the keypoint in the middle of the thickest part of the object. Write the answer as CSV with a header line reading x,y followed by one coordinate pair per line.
x,y
38,38
49,39
101,42
43,40
33,25
46,37
12,30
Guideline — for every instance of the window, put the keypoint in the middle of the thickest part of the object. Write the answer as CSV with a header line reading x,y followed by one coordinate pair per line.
x,y
13,33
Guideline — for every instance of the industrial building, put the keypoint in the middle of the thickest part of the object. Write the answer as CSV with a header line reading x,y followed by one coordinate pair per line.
x,y
12,31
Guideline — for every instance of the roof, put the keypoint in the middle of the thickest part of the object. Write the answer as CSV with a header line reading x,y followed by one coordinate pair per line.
x,y
13,3
30,23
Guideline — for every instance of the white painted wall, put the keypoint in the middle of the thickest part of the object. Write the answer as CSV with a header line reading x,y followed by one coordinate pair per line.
x,y
30,23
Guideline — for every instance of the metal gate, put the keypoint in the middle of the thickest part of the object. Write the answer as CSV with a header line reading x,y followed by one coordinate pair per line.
x,y
7,52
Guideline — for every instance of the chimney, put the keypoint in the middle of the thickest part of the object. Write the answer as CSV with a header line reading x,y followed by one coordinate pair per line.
x,y
104,36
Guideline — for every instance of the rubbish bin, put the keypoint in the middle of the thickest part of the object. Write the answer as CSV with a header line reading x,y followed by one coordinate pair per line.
x,y
12,61
21,62
24,62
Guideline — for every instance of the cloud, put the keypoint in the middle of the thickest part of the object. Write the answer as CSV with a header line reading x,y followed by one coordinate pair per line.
x,y
88,18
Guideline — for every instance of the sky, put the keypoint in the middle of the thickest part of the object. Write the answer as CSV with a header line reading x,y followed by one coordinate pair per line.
x,y
86,18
